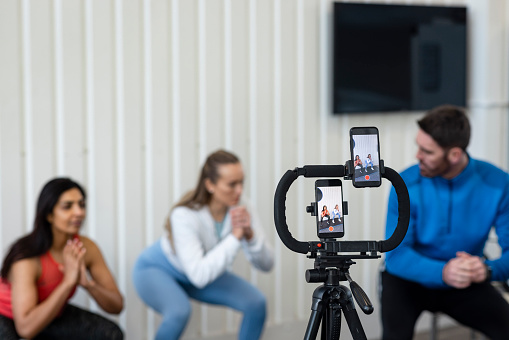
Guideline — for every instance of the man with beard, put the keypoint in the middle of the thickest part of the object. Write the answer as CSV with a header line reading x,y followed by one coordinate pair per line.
x,y
455,200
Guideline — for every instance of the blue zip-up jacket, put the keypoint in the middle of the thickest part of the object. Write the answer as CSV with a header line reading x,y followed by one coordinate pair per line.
x,y
447,216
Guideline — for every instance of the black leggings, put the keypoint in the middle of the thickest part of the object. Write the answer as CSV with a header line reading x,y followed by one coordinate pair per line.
x,y
74,323
479,306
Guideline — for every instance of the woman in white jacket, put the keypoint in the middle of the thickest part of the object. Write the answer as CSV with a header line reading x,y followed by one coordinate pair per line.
x,y
205,231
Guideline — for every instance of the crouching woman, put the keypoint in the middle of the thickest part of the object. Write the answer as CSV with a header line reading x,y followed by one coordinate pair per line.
x,y
43,269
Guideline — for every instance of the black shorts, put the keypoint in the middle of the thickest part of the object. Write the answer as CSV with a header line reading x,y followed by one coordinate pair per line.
x,y
74,323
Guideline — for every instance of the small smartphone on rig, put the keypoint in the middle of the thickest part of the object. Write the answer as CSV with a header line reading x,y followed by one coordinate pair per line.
x,y
365,154
329,206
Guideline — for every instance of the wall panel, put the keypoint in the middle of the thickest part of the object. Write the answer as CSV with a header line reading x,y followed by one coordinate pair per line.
x,y
12,204
69,69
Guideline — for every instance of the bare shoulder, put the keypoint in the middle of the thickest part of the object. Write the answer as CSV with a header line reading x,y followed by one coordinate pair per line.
x,y
93,252
88,243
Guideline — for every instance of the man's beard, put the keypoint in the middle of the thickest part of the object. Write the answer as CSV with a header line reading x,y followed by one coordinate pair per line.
x,y
443,168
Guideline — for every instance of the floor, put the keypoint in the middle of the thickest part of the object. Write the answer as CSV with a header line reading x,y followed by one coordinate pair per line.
x,y
451,333
296,331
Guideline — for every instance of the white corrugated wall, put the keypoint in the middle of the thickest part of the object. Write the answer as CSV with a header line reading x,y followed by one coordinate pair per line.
x,y
128,97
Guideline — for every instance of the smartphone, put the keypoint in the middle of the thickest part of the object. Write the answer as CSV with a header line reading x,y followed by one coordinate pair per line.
x,y
365,154
329,206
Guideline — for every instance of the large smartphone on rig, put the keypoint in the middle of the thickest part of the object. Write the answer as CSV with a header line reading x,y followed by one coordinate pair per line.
x,y
365,155
329,206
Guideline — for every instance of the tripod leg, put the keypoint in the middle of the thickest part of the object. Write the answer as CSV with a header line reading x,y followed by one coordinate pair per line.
x,y
313,324
352,318
354,324
316,313
331,323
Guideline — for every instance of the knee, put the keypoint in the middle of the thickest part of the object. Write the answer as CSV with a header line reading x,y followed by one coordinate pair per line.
x,y
258,304
261,302
174,322
116,333
176,316
182,313
108,331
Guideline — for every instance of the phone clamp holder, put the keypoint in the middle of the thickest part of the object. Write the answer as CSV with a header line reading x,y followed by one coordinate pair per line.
x,y
331,264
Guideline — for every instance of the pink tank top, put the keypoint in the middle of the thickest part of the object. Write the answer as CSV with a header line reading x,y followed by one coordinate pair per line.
x,y
50,278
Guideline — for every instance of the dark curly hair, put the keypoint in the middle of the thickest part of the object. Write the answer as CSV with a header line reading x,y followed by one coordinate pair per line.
x,y
448,125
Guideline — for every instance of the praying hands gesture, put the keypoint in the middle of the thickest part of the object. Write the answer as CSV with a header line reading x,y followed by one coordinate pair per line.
x,y
73,260
241,223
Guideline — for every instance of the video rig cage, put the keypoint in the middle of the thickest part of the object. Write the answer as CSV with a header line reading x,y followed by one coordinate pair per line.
x,y
331,264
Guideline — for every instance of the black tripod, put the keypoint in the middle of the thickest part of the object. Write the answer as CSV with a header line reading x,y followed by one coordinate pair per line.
x,y
331,298
331,268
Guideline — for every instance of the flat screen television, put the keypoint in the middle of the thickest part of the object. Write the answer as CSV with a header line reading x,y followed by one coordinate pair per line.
x,y
398,57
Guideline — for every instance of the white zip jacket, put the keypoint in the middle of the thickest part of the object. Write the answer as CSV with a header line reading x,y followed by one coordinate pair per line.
x,y
198,252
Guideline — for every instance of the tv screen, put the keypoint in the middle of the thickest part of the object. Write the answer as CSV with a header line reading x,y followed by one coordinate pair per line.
x,y
398,57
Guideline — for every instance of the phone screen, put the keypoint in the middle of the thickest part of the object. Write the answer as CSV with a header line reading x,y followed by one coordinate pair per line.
x,y
365,153
329,202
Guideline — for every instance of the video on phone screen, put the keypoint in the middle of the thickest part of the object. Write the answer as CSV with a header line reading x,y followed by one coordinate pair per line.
x,y
330,210
366,160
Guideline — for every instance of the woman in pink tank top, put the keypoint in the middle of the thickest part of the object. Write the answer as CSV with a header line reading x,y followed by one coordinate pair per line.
x,y
42,270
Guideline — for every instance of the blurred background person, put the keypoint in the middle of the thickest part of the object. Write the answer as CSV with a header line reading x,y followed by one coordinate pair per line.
x,y
42,270
205,231
455,200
